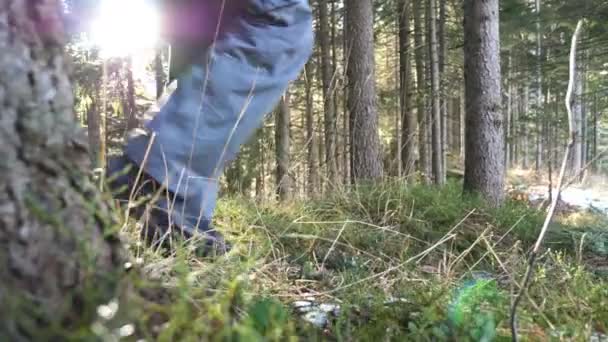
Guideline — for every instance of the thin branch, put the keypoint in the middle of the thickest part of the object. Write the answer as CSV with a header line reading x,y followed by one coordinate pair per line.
x,y
555,200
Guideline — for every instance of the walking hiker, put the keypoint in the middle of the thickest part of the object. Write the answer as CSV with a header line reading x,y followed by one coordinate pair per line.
x,y
233,60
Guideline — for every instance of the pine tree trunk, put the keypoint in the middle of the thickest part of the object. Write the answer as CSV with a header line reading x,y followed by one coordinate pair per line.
x,y
437,132
539,90
58,260
577,111
509,106
484,158
408,120
327,74
131,110
365,144
525,148
94,132
463,124
282,139
311,139
159,73
515,125
443,91
334,94
595,131
423,155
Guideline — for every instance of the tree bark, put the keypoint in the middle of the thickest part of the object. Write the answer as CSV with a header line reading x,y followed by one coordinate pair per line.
x,y
367,161
484,158
443,91
539,90
327,74
525,135
94,132
311,140
59,261
437,132
282,139
159,73
509,121
408,120
131,110
423,161
577,111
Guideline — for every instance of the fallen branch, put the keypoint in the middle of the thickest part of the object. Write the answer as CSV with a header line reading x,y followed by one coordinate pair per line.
x,y
555,200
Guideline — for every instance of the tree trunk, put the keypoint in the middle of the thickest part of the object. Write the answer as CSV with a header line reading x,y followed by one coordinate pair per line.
x,y
577,112
484,158
59,261
327,74
463,124
282,139
159,73
94,131
423,161
525,135
408,120
595,131
443,91
539,90
311,140
437,132
131,110
260,179
509,122
367,162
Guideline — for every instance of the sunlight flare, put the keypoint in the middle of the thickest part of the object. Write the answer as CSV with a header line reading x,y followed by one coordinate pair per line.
x,y
124,28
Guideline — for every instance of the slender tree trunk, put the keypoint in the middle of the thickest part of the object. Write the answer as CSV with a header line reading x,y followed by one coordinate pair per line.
x,y
584,109
131,110
509,123
327,73
335,97
484,158
94,132
408,120
516,122
577,111
423,161
456,124
539,90
311,139
282,139
58,258
524,125
159,73
443,91
367,162
438,175
463,123
347,133
595,131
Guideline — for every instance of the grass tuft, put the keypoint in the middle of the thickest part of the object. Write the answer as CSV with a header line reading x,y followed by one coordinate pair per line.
x,y
402,262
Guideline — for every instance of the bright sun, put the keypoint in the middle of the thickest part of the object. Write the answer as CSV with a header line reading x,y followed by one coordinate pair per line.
x,y
125,28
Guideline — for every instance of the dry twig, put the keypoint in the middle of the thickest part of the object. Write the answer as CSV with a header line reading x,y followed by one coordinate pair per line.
x,y
555,200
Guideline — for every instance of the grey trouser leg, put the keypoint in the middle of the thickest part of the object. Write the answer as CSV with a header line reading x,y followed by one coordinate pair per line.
x,y
220,102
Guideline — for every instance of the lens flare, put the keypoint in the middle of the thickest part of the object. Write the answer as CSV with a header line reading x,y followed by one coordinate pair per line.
x,y
125,28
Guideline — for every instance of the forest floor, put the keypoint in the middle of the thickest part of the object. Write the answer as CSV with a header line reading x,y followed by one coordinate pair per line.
x,y
392,262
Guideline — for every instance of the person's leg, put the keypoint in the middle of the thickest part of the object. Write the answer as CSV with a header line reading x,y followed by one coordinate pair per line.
x,y
220,102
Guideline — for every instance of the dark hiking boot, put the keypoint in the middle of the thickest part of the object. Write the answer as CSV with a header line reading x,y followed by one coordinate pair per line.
x,y
148,203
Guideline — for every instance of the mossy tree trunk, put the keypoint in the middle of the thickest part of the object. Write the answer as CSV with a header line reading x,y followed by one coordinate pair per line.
x,y
58,261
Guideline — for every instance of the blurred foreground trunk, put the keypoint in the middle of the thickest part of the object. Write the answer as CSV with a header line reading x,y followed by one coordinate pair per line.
x,y
58,262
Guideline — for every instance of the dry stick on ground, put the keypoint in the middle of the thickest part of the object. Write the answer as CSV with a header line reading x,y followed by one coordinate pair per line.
x,y
550,214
